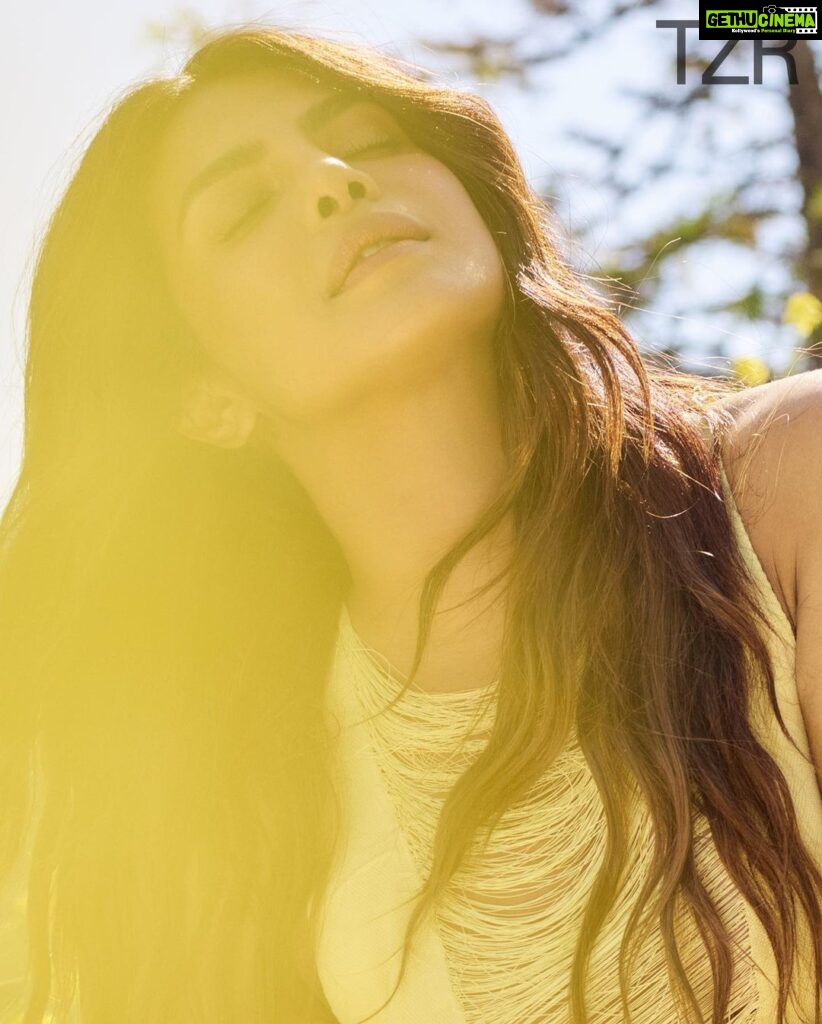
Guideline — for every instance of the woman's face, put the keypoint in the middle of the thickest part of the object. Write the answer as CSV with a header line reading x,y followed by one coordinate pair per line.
x,y
257,187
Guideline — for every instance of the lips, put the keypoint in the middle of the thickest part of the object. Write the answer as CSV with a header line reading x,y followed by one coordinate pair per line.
x,y
368,231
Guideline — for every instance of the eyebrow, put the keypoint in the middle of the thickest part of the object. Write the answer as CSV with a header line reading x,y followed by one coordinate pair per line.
x,y
252,152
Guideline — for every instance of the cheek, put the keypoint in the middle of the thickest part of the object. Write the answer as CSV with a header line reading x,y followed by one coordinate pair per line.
x,y
468,259
251,316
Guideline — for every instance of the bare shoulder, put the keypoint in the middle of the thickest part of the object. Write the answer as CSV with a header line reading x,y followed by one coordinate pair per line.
x,y
772,453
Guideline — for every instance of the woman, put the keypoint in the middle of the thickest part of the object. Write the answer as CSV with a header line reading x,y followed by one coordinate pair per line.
x,y
257,450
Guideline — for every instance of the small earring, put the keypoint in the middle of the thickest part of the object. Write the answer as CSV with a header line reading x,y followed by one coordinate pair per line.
x,y
232,427
225,425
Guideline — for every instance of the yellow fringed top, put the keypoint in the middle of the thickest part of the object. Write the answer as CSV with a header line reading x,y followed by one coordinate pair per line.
x,y
498,949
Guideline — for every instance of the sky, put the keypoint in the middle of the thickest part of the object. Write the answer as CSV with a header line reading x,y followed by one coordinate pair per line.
x,y
61,64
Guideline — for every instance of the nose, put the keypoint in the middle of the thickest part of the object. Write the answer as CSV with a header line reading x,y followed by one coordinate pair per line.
x,y
336,186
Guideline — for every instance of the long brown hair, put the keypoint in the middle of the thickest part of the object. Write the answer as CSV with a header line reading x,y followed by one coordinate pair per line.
x,y
169,608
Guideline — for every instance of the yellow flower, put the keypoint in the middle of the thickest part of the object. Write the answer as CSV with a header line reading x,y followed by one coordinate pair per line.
x,y
804,311
751,369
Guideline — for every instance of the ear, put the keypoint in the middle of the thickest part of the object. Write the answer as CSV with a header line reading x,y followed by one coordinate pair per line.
x,y
215,411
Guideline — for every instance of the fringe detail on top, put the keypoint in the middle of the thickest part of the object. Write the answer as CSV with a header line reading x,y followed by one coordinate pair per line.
x,y
509,921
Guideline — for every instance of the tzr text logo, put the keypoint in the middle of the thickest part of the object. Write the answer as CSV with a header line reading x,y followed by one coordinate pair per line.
x,y
761,48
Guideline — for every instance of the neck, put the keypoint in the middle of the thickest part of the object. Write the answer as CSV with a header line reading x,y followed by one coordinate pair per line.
x,y
398,480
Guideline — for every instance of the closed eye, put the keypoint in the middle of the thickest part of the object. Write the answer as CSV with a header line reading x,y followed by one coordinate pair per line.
x,y
248,217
